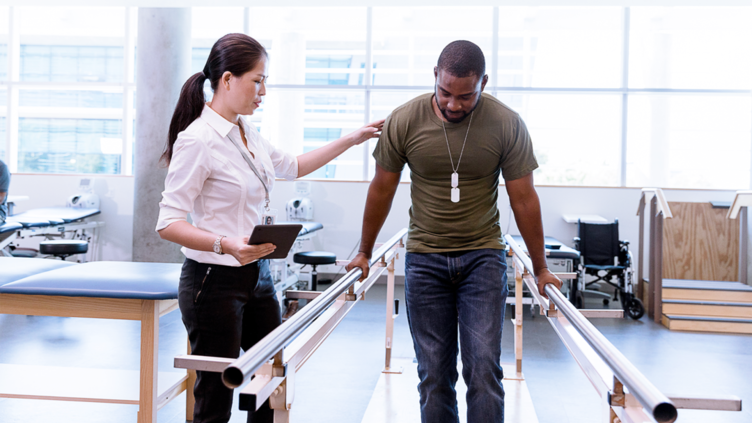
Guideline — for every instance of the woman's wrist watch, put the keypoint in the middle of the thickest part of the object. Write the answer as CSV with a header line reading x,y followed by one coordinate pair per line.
x,y
218,245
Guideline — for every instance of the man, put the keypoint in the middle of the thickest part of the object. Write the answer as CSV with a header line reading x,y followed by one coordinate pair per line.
x,y
4,184
457,141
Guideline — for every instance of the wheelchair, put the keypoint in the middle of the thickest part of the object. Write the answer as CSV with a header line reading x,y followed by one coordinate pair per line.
x,y
604,256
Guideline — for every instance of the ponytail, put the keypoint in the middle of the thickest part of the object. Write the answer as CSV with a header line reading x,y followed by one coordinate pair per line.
x,y
189,108
234,53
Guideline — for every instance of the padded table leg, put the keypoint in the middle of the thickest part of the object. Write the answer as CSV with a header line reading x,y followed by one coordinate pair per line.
x,y
147,404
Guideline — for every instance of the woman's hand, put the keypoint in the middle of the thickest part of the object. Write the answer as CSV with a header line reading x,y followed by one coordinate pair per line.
x,y
238,247
372,130
312,160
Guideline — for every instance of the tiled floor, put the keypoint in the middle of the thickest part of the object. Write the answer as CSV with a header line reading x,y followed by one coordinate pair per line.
x,y
337,382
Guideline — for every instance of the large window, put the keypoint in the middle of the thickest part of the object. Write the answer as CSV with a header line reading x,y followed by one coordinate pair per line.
x,y
612,96
65,80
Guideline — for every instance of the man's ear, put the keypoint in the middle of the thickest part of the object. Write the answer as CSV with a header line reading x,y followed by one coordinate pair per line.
x,y
483,84
435,71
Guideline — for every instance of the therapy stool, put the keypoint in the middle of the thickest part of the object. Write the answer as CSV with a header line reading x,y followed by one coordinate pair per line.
x,y
102,290
63,248
314,258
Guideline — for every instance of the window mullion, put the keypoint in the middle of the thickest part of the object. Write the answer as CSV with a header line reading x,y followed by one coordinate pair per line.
x,y
367,83
495,51
624,97
14,66
127,124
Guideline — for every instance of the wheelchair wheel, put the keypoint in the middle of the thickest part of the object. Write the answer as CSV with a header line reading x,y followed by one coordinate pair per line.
x,y
579,300
634,308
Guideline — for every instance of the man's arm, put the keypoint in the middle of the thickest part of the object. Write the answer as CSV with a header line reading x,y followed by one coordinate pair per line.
x,y
379,202
527,214
2,196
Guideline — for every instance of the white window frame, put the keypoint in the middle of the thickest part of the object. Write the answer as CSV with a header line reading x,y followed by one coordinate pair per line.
x,y
128,87
13,84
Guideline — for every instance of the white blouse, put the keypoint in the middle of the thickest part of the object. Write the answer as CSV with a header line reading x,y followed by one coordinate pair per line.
x,y
209,179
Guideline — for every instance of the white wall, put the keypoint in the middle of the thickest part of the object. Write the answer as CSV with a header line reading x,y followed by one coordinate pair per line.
x,y
339,207
116,202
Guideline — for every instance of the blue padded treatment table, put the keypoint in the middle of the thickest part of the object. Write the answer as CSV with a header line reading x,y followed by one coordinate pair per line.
x,y
554,248
10,227
308,227
13,269
107,290
29,221
7,236
60,214
103,279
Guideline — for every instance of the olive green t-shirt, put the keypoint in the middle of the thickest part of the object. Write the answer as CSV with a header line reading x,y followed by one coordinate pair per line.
x,y
498,144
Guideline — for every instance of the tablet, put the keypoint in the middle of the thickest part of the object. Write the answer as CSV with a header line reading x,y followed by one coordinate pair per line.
x,y
283,236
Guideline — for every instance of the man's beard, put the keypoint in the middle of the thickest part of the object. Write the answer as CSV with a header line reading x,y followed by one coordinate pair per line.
x,y
443,111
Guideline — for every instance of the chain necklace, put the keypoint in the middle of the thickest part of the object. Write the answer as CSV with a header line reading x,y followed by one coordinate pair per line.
x,y
455,177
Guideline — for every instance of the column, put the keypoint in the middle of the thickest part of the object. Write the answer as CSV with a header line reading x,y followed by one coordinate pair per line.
x,y
162,66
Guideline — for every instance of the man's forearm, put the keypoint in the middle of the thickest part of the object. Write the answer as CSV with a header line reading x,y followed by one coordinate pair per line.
x,y
378,204
527,214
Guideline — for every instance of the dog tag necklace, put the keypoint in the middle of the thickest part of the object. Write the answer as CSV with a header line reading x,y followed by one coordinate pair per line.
x,y
455,176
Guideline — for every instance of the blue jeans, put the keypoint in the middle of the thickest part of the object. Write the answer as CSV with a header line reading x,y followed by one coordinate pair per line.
x,y
444,290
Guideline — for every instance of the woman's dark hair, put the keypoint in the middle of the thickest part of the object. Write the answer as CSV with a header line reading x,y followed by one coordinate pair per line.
x,y
234,53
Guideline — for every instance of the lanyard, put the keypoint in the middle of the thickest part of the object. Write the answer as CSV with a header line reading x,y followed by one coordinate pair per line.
x,y
253,168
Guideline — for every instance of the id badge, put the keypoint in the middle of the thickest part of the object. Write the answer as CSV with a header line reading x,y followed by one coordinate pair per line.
x,y
269,217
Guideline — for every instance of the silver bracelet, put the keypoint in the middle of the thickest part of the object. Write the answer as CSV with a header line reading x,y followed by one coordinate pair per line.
x,y
218,245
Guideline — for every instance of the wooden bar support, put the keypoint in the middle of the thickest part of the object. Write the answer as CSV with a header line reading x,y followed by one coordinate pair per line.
x,y
294,294
602,313
743,245
641,249
518,271
190,400
657,280
721,403
652,265
202,363
617,394
390,316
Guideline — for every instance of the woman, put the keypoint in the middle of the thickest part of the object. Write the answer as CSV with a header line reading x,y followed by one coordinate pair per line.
x,y
221,172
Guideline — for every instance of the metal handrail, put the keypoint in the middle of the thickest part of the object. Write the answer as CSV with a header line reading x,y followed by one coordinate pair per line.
x,y
661,408
240,370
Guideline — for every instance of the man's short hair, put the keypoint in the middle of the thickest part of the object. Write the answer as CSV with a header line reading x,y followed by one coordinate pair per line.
x,y
462,59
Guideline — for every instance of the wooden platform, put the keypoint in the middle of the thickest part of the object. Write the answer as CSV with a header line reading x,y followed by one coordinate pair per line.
x,y
707,308
712,285
707,324
396,398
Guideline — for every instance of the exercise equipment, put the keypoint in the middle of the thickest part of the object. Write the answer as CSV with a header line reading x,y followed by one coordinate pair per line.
x,y
697,264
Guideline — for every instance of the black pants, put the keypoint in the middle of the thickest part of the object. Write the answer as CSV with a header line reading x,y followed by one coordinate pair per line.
x,y
225,309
